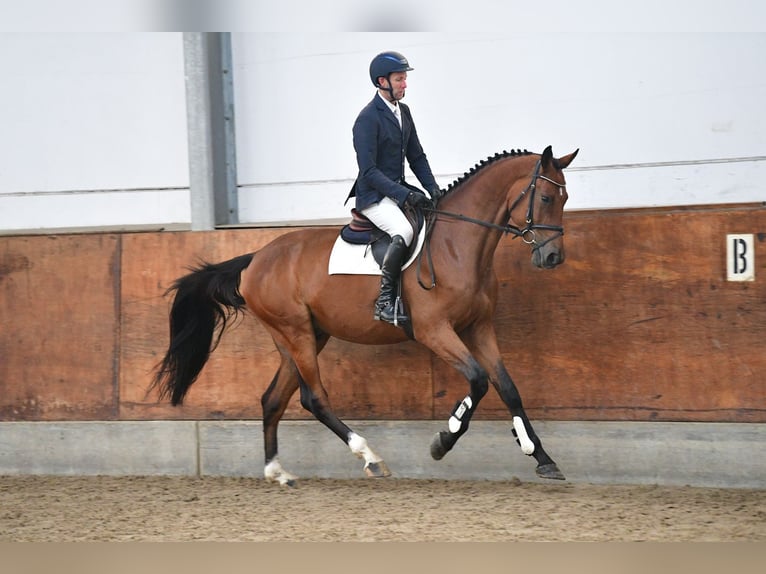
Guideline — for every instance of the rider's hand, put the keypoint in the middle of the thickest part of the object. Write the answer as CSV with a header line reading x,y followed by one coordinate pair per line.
x,y
415,199
436,194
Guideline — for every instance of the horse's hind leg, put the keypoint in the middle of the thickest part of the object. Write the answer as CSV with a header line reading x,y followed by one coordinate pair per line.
x,y
274,402
302,369
374,466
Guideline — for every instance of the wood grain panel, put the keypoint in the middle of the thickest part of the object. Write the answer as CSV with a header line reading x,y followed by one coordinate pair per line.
x,y
245,361
638,324
363,382
58,327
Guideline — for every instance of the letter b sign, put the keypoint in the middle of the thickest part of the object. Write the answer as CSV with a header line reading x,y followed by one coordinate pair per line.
x,y
740,257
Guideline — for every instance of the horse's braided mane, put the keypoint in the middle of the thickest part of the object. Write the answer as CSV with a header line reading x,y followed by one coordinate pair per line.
x,y
484,163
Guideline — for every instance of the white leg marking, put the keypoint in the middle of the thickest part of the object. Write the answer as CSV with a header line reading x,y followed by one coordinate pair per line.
x,y
527,446
273,472
358,446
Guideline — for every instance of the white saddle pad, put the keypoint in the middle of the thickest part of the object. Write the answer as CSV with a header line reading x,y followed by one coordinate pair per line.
x,y
348,259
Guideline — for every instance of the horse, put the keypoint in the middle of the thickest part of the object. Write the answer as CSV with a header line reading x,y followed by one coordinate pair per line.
x,y
287,287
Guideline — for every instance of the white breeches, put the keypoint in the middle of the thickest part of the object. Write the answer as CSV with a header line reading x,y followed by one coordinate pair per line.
x,y
387,216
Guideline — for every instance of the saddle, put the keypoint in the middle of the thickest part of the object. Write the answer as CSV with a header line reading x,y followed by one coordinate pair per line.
x,y
361,231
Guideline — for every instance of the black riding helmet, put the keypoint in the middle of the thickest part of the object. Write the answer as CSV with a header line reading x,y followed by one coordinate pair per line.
x,y
385,64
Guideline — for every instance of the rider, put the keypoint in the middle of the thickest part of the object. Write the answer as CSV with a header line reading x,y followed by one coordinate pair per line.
x,y
384,135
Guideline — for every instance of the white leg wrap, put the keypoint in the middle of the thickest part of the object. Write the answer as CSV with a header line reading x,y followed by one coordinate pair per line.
x,y
527,446
273,472
358,446
456,420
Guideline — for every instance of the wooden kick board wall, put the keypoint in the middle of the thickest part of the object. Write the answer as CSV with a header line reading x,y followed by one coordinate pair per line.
x,y
639,324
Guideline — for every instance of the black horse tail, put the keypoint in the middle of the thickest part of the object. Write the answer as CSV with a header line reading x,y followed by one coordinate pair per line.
x,y
205,301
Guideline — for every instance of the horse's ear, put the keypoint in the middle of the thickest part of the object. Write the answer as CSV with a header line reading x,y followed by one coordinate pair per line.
x,y
567,159
546,158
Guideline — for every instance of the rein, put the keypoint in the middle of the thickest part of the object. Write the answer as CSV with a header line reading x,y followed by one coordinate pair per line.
x,y
527,234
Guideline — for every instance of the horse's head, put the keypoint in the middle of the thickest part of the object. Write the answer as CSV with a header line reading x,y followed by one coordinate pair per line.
x,y
541,207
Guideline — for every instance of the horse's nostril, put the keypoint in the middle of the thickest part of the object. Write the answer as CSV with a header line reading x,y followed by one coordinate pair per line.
x,y
553,259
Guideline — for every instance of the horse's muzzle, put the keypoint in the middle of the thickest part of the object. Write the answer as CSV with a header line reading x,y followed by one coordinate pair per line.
x,y
547,257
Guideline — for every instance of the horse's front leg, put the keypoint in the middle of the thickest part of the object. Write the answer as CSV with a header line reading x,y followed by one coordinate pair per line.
x,y
448,346
483,341
460,418
526,437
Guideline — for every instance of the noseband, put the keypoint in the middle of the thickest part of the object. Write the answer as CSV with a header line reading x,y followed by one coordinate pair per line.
x,y
527,234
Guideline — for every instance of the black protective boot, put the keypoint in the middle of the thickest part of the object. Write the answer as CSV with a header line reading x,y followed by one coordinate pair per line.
x,y
385,306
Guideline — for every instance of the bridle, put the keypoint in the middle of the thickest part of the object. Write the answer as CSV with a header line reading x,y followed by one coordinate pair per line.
x,y
527,233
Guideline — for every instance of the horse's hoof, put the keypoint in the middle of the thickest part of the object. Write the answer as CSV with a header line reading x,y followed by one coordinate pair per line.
x,y
273,472
549,471
291,482
437,448
377,470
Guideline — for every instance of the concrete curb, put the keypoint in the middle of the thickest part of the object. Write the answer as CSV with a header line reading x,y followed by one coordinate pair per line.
x,y
731,455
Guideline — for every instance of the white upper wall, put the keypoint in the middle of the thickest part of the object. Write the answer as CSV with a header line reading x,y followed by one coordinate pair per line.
x,y
654,115
85,113
94,125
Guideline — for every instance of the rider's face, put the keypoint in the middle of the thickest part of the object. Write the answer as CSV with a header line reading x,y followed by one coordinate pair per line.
x,y
398,82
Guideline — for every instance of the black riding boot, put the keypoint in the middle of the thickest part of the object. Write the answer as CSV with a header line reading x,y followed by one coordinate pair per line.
x,y
385,306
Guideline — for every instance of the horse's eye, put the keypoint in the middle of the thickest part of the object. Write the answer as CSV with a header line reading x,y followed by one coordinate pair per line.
x,y
546,198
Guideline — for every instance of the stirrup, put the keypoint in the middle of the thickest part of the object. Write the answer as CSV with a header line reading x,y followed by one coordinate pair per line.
x,y
399,316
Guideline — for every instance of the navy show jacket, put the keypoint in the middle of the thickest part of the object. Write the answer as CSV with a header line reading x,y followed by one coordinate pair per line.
x,y
381,148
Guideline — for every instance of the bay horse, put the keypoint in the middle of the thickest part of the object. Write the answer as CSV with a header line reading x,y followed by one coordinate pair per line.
x,y
286,286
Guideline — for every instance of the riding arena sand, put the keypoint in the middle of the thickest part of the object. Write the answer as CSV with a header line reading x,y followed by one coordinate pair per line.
x,y
182,509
